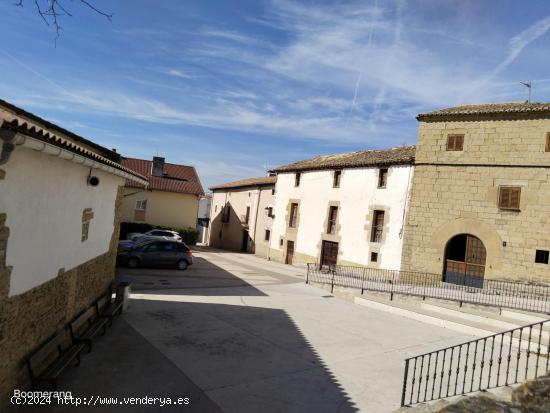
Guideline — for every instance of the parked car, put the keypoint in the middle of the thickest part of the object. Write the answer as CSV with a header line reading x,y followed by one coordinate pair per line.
x,y
155,234
155,253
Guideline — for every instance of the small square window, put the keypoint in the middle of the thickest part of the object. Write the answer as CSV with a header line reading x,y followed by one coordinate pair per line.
x,y
382,177
455,142
297,178
281,242
541,256
374,257
336,179
267,235
141,204
509,197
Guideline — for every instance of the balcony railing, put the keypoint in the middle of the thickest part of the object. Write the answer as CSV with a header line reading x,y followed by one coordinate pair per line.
x,y
494,293
498,360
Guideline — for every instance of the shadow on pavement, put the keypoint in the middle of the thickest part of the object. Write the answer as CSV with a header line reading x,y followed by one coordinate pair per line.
x,y
231,358
202,275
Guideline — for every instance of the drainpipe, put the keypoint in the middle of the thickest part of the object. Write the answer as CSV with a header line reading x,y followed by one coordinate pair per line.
x,y
256,220
8,145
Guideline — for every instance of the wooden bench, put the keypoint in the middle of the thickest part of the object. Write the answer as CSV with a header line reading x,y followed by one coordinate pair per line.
x,y
49,360
107,308
87,325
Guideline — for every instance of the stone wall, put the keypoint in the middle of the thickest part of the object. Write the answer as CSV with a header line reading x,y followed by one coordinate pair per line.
x,y
456,192
27,319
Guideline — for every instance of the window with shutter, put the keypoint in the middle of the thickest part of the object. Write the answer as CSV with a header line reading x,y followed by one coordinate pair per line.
x,y
293,215
455,142
509,197
297,179
331,227
336,180
382,177
377,226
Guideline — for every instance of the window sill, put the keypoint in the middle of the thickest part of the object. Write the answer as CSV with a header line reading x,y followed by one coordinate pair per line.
x,y
510,209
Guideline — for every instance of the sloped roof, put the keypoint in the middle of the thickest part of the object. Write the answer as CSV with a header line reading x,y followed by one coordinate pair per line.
x,y
510,109
393,156
177,178
17,120
261,181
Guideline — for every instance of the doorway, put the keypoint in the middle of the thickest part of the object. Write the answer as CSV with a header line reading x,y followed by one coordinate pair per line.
x,y
329,253
244,244
465,257
289,252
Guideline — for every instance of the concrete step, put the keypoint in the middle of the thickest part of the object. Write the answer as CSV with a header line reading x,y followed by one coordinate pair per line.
x,y
478,323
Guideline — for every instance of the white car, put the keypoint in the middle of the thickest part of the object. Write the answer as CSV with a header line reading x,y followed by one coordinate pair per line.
x,y
155,234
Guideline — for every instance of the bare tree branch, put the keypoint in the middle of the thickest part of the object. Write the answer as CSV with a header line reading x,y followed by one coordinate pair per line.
x,y
51,10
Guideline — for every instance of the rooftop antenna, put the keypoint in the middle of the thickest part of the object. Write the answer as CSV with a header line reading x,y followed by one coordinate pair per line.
x,y
528,85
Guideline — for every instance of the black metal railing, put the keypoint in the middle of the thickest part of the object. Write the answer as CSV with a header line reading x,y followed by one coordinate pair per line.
x,y
495,293
498,360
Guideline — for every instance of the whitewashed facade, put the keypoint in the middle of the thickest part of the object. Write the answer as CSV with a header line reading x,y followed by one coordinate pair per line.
x,y
358,195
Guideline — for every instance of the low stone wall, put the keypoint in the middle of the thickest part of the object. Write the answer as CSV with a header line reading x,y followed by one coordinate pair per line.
x,y
30,318
533,396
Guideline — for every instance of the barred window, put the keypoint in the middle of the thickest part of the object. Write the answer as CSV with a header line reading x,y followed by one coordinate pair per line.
x,y
377,226
331,226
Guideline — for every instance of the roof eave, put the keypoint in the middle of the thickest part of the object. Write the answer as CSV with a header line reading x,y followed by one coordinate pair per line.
x,y
453,117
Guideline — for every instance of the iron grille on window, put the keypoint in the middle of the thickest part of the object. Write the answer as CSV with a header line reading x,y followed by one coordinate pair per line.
x,y
378,226
541,256
293,215
333,213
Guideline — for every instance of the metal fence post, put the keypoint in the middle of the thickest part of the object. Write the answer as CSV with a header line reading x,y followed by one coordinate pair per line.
x,y
307,274
332,282
363,280
405,378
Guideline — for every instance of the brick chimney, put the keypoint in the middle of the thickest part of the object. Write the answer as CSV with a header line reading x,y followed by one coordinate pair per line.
x,y
158,166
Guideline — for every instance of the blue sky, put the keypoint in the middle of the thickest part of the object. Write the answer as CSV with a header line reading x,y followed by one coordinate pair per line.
x,y
233,86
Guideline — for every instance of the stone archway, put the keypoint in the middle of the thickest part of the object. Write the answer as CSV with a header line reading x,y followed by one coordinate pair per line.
x,y
464,262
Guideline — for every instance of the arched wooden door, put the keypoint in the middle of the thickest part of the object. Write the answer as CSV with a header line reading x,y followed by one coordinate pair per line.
x,y
465,257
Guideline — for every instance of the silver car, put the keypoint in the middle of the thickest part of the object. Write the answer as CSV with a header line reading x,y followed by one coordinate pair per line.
x,y
155,234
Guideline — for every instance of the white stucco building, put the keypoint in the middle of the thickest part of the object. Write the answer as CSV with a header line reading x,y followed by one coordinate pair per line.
x,y
241,215
346,209
59,220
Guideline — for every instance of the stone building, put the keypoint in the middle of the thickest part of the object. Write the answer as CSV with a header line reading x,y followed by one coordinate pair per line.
x,y
241,215
480,198
346,209
170,199
59,213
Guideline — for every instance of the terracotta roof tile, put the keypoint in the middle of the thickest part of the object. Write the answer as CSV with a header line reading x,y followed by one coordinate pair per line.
x,y
393,156
261,181
17,120
511,109
177,178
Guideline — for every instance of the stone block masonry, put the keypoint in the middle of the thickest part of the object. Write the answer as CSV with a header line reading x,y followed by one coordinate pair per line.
x,y
457,192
